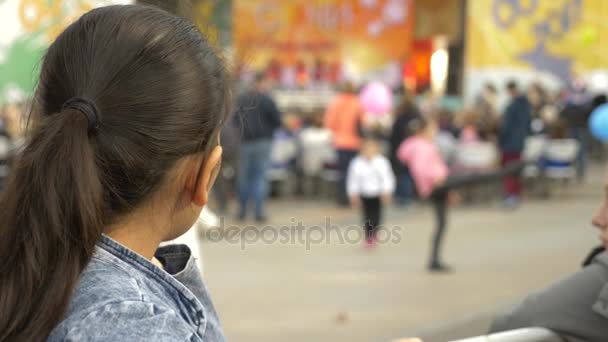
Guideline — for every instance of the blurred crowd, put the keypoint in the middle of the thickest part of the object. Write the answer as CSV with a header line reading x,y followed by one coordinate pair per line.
x,y
308,151
423,150
83,221
272,151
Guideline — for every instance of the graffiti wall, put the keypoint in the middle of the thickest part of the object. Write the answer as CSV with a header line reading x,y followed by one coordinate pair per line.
x,y
554,41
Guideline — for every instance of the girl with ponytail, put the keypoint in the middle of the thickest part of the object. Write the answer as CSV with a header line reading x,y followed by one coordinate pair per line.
x,y
122,150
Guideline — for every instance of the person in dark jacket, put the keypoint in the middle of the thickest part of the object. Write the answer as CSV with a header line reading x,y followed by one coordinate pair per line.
x,y
258,117
577,110
514,129
404,115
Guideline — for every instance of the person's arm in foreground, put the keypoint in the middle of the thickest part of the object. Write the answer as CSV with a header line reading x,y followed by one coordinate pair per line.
x,y
576,307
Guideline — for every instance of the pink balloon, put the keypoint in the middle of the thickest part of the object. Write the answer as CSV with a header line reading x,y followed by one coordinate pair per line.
x,y
376,98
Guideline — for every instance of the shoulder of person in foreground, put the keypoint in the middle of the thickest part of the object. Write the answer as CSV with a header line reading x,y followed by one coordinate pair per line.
x,y
113,303
575,308
127,321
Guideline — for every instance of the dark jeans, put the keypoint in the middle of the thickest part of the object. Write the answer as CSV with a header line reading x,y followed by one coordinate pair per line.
x,y
405,187
439,199
372,212
253,183
511,182
344,159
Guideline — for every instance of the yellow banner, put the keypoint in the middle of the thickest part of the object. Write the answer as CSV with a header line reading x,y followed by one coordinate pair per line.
x,y
561,37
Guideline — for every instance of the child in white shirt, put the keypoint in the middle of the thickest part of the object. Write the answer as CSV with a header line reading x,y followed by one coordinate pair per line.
x,y
370,185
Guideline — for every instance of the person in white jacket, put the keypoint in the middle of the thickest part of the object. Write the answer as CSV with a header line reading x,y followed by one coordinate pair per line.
x,y
370,185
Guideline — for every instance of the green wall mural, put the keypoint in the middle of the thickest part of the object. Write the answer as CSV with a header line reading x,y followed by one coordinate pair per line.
x,y
28,27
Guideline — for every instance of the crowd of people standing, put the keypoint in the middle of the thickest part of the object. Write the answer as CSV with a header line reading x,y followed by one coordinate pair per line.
x,y
414,145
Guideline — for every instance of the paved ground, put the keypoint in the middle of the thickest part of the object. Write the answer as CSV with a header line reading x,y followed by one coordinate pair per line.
x,y
273,291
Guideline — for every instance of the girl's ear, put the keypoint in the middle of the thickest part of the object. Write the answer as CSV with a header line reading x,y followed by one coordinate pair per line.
x,y
206,177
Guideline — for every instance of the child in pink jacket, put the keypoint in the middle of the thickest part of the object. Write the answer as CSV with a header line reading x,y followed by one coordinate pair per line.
x,y
429,171
434,181
422,157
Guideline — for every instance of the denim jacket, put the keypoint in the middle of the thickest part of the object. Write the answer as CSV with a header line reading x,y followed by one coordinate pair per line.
x,y
122,296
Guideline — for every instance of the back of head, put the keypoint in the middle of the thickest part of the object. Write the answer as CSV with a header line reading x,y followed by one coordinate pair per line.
x,y
370,148
421,126
153,92
317,118
512,87
470,117
262,81
490,88
598,100
348,87
407,104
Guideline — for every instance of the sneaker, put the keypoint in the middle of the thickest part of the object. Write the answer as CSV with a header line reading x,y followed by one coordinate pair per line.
x,y
437,267
369,244
261,219
511,202
342,204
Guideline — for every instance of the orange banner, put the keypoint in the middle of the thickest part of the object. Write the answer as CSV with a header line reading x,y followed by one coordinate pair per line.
x,y
362,34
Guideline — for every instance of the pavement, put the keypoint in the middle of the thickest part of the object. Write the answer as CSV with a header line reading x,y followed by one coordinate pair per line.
x,y
290,283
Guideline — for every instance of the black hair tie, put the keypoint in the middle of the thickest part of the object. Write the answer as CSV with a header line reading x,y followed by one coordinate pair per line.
x,y
87,108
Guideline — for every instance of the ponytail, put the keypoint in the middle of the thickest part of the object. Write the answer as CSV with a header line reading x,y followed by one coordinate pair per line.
x,y
161,98
51,218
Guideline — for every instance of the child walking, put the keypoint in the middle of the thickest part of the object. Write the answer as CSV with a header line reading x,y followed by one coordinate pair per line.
x,y
370,185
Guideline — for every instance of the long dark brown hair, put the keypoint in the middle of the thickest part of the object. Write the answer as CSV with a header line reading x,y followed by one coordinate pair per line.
x,y
162,94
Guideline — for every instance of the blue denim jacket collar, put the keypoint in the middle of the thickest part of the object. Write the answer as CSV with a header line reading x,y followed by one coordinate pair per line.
x,y
122,296
135,260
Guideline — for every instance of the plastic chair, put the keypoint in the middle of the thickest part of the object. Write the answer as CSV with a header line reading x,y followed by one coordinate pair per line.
x,y
284,152
559,158
534,147
315,152
447,145
533,152
475,157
